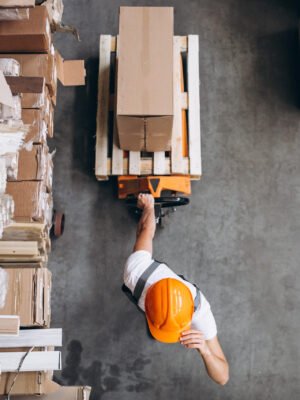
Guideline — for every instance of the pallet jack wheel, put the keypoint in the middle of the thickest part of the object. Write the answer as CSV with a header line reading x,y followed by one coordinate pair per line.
x,y
58,223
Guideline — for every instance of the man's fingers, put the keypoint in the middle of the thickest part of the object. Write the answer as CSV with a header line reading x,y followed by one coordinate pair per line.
x,y
192,346
192,336
190,331
193,341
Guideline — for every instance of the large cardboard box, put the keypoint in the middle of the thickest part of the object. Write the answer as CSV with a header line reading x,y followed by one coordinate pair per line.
x,y
145,78
41,65
28,296
27,36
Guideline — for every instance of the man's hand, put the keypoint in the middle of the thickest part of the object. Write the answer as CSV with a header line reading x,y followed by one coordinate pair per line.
x,y
193,339
145,201
211,353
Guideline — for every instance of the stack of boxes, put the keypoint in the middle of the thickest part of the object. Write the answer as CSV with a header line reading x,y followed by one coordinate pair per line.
x,y
29,68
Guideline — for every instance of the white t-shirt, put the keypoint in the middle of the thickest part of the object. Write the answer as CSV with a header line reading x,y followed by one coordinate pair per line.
x,y
203,319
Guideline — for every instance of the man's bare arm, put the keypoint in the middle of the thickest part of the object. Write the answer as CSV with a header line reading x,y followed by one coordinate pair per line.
x,y
211,352
147,225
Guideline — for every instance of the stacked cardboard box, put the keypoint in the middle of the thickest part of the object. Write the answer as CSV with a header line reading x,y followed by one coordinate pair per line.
x,y
145,68
29,68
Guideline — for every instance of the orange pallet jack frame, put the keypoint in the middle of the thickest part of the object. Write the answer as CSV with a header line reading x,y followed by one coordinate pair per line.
x,y
133,185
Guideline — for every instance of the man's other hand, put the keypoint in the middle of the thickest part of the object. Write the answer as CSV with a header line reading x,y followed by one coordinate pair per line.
x,y
145,201
193,339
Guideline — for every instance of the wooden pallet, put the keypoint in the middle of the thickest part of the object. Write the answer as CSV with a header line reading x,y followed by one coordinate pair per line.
x,y
110,159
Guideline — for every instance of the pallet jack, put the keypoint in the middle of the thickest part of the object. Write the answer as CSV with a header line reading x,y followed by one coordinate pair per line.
x,y
166,190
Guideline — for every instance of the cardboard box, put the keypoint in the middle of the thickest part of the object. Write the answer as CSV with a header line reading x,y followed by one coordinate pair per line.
x,y
38,127
41,65
145,78
65,393
29,383
28,296
40,383
70,72
27,36
33,164
32,202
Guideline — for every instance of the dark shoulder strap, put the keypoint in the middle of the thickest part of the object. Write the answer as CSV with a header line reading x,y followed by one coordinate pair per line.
x,y
138,290
197,299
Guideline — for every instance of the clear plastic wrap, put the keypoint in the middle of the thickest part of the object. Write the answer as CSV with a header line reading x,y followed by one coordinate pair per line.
x,y
10,67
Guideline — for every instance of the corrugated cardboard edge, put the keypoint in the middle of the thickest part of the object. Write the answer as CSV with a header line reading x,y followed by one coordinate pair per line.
x,y
70,72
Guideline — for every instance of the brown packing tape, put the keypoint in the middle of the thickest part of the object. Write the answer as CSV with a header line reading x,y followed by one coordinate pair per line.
x,y
26,84
70,72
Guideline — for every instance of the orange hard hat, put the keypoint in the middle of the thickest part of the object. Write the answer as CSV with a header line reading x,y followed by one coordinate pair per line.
x,y
169,308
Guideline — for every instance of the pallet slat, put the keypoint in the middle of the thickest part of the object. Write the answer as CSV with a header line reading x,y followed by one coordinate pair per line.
x,y
33,337
194,105
117,153
176,152
35,361
134,163
17,249
159,163
103,106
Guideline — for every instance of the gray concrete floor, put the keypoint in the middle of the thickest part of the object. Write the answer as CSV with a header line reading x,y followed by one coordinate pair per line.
x,y
239,238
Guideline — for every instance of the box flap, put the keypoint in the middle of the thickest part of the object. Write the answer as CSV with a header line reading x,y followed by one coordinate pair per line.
x,y
131,133
5,92
70,72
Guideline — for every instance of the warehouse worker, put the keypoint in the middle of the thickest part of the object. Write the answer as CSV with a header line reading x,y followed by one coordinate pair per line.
x,y
176,310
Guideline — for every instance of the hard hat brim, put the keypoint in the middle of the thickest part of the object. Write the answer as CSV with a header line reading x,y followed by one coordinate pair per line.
x,y
163,336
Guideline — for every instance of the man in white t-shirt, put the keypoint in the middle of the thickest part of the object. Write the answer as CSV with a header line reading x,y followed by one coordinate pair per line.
x,y
176,310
